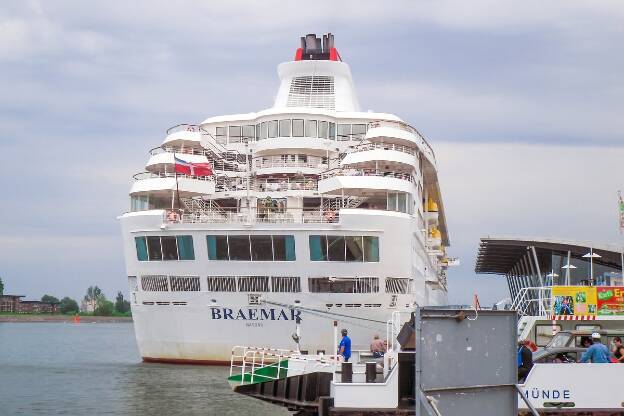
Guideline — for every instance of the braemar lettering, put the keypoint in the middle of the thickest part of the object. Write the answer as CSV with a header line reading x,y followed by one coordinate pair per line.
x,y
255,314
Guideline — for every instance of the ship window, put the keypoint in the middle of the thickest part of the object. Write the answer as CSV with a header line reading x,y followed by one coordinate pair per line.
x,y
153,248
332,131
235,134
169,248
154,283
343,284
302,158
371,249
318,248
284,128
354,250
310,128
253,283
217,247
221,284
397,285
273,128
185,247
141,248
322,132
220,134
297,128
248,132
341,248
184,283
257,131
239,247
358,131
284,247
261,248
285,284
344,131
335,248
263,130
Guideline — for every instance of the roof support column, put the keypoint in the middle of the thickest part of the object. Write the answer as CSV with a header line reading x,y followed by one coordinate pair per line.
x,y
539,274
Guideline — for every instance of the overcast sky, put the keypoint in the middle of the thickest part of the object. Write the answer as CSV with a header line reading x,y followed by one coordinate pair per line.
x,y
523,103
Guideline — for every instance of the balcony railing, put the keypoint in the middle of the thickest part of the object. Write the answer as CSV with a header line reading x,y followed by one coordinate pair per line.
x,y
181,150
405,127
367,172
152,175
277,162
184,127
266,185
385,146
273,215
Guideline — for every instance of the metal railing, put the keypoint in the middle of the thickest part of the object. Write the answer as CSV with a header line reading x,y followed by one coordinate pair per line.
x,y
364,147
183,127
151,175
279,162
181,150
367,172
534,301
405,127
266,185
253,215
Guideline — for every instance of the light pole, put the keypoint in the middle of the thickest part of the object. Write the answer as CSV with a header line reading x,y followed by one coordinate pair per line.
x,y
591,255
567,268
552,276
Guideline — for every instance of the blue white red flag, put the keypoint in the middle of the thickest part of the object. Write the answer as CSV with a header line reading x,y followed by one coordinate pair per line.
x,y
193,169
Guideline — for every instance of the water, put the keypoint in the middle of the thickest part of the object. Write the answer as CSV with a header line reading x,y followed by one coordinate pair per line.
x,y
95,369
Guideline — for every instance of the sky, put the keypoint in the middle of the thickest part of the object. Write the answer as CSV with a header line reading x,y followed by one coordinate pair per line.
x,y
523,103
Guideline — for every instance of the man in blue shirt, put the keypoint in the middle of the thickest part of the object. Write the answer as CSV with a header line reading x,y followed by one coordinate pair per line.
x,y
598,352
344,348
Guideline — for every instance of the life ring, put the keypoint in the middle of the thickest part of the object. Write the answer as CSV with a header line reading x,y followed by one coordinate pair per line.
x,y
330,216
172,216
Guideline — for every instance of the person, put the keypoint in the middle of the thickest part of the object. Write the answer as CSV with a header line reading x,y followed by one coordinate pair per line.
x,y
586,342
525,360
597,353
377,347
618,350
344,348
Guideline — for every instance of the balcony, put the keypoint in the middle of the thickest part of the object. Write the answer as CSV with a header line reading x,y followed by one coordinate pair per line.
x,y
279,145
392,155
183,134
266,185
310,165
161,156
398,133
165,183
271,215
365,182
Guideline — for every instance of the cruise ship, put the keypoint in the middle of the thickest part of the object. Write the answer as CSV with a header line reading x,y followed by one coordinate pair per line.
x,y
246,228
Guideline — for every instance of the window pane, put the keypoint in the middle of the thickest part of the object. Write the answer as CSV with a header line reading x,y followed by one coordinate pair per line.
x,y
185,247
371,248
284,247
249,132
169,248
211,241
261,248
220,131
235,131
263,130
344,131
354,248
402,202
273,128
358,131
297,128
153,248
323,130
332,131
290,247
141,248
335,248
239,247
318,248
310,128
392,201
284,126
257,132
222,247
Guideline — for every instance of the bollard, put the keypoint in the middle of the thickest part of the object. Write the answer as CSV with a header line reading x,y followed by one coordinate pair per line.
x,y
346,373
371,372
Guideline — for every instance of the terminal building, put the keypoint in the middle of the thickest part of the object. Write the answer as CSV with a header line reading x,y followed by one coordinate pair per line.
x,y
542,262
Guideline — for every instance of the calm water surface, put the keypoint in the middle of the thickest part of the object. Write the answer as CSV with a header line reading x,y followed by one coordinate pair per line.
x,y
95,369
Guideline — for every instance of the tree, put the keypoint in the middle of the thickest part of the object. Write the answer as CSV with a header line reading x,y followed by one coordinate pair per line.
x,y
49,299
94,294
121,305
104,307
68,305
1,287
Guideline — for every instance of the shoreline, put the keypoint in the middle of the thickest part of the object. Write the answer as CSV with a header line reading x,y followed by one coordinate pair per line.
x,y
63,318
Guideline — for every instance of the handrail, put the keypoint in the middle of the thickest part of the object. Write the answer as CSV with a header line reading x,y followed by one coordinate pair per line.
x,y
529,296
151,175
277,215
405,127
183,127
385,146
366,172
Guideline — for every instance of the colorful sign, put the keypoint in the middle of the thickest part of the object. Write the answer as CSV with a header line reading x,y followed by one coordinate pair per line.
x,y
574,300
610,300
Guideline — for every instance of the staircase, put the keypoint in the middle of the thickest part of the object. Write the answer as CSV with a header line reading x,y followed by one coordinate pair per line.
x,y
335,204
200,206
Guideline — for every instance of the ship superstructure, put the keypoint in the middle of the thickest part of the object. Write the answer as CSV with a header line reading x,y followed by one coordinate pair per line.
x,y
315,210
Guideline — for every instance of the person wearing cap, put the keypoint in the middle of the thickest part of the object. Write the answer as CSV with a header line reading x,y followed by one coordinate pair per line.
x,y
598,352
344,348
525,360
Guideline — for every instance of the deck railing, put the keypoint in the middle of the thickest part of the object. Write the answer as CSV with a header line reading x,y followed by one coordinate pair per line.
x,y
385,146
150,175
366,172
184,127
405,127
253,215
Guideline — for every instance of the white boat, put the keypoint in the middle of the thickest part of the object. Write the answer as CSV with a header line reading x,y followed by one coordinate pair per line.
x,y
314,210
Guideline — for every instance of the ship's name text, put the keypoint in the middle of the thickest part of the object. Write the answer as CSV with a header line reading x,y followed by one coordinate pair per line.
x,y
255,314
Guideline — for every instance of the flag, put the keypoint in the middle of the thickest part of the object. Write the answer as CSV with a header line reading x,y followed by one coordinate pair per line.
x,y
621,212
193,169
